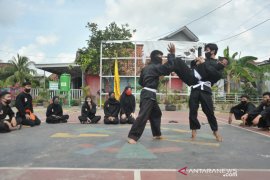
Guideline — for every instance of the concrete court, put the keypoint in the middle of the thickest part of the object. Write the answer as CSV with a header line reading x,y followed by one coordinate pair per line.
x,y
98,151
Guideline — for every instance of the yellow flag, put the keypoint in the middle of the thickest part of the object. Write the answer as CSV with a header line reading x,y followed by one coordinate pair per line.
x,y
116,81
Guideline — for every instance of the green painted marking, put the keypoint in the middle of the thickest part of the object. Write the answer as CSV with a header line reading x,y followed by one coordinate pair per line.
x,y
135,151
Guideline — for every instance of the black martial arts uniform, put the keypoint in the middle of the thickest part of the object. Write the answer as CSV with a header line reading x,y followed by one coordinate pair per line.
x,y
149,109
5,110
242,108
210,72
264,110
54,113
128,104
23,103
111,109
86,113
207,69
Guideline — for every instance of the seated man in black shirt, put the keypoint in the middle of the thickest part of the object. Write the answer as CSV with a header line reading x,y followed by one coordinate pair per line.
x,y
240,109
54,112
25,107
111,110
259,116
6,125
88,112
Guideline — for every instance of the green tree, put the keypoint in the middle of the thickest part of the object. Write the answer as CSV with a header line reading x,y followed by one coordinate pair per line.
x,y
19,71
239,70
89,57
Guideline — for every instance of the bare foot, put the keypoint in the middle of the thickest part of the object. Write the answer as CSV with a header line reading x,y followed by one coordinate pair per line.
x,y
193,134
131,141
158,137
218,137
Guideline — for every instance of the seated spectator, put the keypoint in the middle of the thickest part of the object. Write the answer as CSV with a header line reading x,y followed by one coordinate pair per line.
x,y
240,109
127,106
111,110
88,112
25,107
12,123
54,112
259,116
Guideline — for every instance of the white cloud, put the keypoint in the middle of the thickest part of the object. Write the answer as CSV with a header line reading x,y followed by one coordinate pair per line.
x,y
66,57
32,52
45,40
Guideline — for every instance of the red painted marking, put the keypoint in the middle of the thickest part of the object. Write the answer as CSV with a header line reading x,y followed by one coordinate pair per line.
x,y
112,150
86,145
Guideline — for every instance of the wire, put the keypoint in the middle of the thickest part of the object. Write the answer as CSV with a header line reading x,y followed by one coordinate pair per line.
x,y
194,19
243,31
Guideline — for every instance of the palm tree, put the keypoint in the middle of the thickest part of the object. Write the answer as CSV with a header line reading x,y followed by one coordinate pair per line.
x,y
20,70
243,69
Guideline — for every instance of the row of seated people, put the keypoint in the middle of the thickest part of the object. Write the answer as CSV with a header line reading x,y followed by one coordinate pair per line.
x,y
250,114
112,108
54,114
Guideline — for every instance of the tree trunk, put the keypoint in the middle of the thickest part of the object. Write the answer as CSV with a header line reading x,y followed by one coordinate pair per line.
x,y
228,90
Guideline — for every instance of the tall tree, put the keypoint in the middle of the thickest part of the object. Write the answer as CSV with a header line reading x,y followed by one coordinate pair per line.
x,y
19,70
89,57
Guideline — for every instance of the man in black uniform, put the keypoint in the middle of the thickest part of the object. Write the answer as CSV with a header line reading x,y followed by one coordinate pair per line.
x,y
111,110
25,107
259,116
149,109
6,125
54,112
240,109
205,73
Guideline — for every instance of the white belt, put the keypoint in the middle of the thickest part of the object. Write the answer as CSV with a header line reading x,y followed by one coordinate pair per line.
x,y
202,83
150,89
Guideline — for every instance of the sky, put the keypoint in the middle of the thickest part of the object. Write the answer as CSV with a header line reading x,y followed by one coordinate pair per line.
x,y
51,31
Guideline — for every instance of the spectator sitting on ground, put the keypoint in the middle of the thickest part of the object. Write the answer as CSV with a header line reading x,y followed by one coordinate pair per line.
x,y
242,108
127,104
6,125
25,107
54,112
111,110
259,116
88,112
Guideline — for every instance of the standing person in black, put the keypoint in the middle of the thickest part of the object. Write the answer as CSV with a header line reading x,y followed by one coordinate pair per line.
x,y
111,110
88,112
54,112
244,107
202,93
259,116
25,107
149,109
127,104
6,125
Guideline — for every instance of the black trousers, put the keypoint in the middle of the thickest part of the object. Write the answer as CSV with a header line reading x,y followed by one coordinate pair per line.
x,y
94,119
57,119
107,121
128,120
4,128
149,110
29,122
184,72
237,113
205,98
